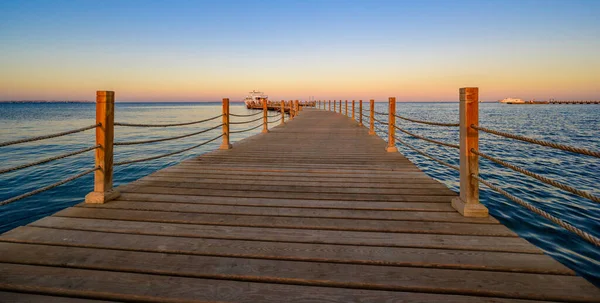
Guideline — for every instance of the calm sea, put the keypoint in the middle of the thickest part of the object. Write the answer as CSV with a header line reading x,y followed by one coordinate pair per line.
x,y
576,125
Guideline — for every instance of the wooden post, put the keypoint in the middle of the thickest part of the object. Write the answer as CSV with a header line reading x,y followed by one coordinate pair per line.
x,y
353,110
225,144
282,112
372,117
360,115
340,106
346,108
468,203
391,148
334,105
265,116
297,108
329,105
291,110
105,116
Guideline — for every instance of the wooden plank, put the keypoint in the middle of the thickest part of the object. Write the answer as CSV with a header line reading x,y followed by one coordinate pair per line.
x,y
158,288
352,254
308,182
429,216
482,243
15,297
281,202
462,282
133,188
317,178
276,188
289,222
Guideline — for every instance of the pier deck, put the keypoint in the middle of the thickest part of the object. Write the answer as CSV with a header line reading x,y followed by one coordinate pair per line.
x,y
315,210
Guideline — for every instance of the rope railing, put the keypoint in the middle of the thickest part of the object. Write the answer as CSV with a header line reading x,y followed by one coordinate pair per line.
x,y
43,161
379,121
428,122
246,122
45,188
167,154
548,181
168,139
167,125
275,121
245,130
577,150
586,236
273,116
381,129
381,114
249,115
427,155
428,139
32,139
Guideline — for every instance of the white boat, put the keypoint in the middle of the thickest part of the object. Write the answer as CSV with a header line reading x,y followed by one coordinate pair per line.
x,y
512,101
254,99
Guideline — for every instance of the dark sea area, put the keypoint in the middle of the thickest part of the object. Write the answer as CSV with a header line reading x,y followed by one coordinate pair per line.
x,y
575,125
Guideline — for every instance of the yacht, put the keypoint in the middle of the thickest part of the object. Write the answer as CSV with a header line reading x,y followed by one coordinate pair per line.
x,y
254,99
512,101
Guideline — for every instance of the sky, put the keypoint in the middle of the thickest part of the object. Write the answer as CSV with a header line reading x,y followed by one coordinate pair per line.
x,y
419,50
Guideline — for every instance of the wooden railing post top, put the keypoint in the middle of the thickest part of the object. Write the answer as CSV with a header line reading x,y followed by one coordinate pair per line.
x,y
105,94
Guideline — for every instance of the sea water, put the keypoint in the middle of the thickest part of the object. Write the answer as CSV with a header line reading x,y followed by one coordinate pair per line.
x,y
575,125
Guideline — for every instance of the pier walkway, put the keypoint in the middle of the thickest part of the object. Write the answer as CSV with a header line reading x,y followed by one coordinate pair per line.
x,y
315,210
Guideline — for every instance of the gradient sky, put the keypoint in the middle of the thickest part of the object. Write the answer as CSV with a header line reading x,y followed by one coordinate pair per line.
x,y
205,50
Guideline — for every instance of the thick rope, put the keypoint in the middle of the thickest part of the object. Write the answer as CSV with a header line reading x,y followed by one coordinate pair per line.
x,y
245,130
6,170
250,115
273,116
576,150
565,187
590,238
167,139
275,120
169,154
380,122
51,186
382,114
167,125
428,122
427,155
380,129
49,136
427,139
245,122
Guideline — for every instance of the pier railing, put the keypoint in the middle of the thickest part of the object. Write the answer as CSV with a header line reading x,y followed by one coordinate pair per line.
x,y
232,123
467,203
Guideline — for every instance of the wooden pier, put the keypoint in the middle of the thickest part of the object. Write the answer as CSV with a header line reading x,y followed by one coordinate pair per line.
x,y
315,210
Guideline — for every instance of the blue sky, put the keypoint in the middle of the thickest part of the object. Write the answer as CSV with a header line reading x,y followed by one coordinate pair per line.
x,y
205,50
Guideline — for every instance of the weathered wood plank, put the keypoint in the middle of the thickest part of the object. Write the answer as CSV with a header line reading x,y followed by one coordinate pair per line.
x,y
276,188
282,202
461,282
109,285
353,254
483,243
288,222
133,188
15,297
428,216
308,182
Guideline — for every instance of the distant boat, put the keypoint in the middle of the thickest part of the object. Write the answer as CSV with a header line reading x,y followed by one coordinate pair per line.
x,y
512,101
254,99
